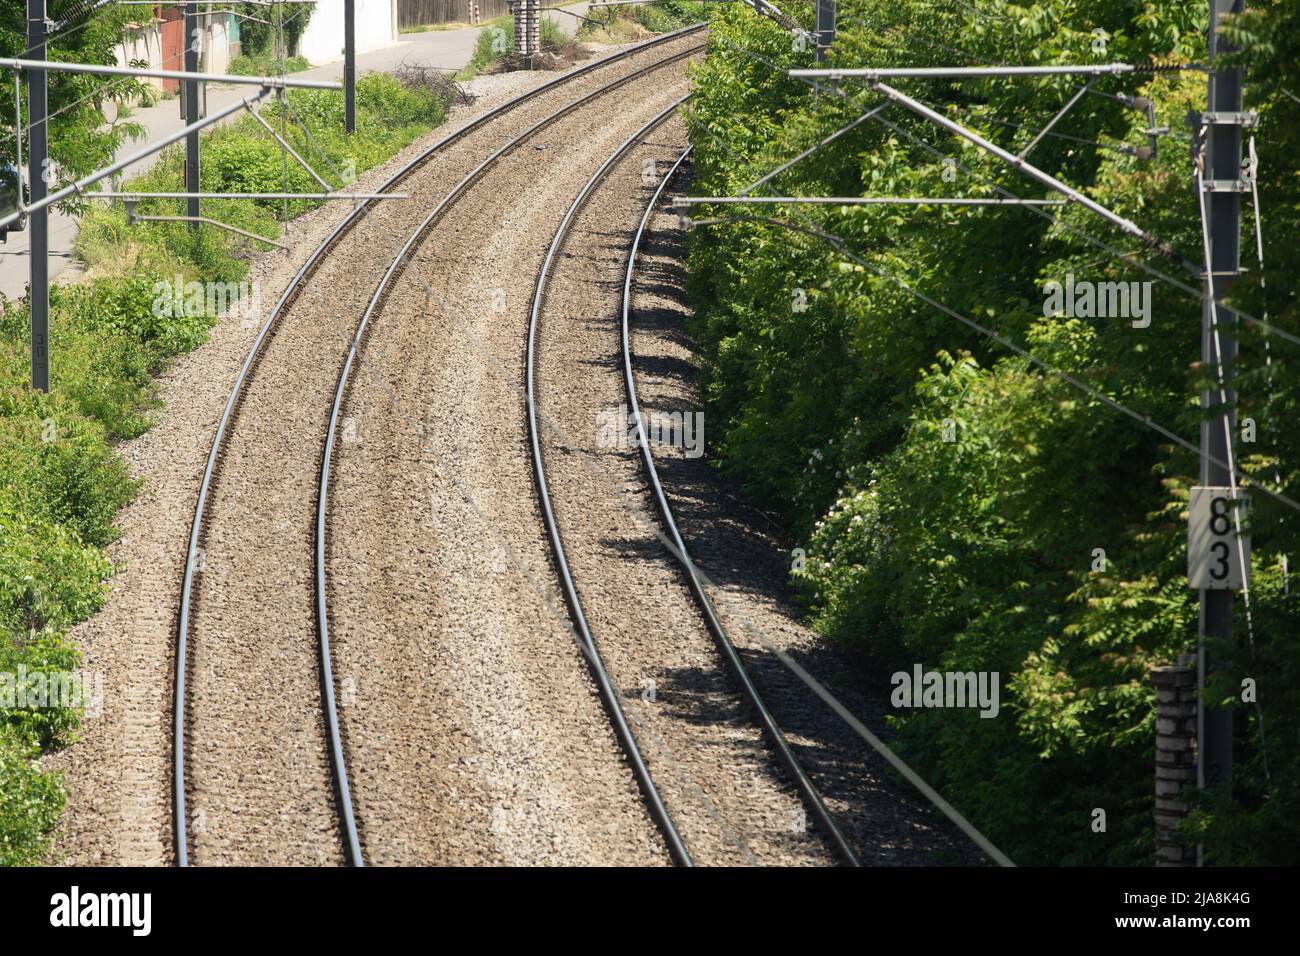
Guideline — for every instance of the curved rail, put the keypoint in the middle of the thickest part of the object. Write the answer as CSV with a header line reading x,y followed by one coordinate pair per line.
x,y
398,263
227,415
653,798
770,728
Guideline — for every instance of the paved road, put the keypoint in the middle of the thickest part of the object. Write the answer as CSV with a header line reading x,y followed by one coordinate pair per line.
x,y
444,48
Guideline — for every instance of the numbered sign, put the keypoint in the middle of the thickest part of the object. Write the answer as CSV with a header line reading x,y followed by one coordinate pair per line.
x,y
1217,557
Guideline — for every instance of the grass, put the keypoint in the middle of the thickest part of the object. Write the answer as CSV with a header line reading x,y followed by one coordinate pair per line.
x,y
242,157
623,23
264,64
496,40
61,485
496,44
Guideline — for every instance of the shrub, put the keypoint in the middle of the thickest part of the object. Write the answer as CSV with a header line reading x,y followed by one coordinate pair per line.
x,y
951,494
266,64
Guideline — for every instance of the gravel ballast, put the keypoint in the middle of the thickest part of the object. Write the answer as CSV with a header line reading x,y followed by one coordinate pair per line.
x,y
456,600
747,564
259,787
472,729
723,786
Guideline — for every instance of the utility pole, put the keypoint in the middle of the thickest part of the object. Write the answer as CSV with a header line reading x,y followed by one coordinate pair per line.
x,y
349,66
1220,178
193,110
39,238
825,27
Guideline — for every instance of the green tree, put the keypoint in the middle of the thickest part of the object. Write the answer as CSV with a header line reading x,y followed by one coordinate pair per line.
x,y
273,30
88,114
955,497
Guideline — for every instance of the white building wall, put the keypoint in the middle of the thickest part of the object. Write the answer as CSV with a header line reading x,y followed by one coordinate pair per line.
x,y
216,45
322,41
145,44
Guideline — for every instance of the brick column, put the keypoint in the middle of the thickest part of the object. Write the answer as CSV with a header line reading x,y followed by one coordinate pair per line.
x,y
534,28
521,28
1176,703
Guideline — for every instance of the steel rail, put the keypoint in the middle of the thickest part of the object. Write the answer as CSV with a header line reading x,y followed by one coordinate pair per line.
x,y
398,264
196,528
676,847
771,729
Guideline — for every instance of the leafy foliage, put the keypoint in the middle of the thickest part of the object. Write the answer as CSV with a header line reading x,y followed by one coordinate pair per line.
x,y
30,802
951,493
60,488
496,43
242,157
272,31
659,17
266,65
80,139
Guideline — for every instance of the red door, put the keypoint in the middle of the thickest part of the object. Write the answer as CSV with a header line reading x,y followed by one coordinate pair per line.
x,y
173,45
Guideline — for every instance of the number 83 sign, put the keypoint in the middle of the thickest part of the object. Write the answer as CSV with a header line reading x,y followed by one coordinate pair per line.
x,y
1218,558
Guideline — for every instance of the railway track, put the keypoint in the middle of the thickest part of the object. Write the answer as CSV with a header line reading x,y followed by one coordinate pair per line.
x,y
255,472
806,789
610,697
677,546
400,262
